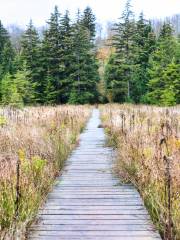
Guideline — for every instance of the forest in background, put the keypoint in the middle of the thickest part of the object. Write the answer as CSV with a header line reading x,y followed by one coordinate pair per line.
x,y
69,62
55,68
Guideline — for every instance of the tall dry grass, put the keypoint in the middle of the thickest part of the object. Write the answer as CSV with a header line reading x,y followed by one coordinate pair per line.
x,y
148,155
34,143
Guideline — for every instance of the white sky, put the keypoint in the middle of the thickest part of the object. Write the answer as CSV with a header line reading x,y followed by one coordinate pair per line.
x,y
20,11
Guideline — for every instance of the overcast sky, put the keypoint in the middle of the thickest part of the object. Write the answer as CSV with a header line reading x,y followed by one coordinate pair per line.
x,y
20,11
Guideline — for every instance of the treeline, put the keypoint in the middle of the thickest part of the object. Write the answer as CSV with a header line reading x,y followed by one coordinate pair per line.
x,y
143,68
56,68
59,65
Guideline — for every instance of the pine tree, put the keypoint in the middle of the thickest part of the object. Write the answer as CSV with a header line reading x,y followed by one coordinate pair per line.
x,y
170,95
88,21
7,55
31,56
159,61
51,54
84,69
6,52
116,90
145,41
66,57
16,89
123,42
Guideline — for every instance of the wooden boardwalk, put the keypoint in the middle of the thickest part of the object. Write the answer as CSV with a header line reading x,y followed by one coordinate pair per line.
x,y
88,202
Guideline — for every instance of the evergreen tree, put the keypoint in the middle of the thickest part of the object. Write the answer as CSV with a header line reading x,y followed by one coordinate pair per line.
x,y
88,21
160,61
145,41
31,56
116,90
84,69
123,42
16,89
170,94
7,54
66,57
51,54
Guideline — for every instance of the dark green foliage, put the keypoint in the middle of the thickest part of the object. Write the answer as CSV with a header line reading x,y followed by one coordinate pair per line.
x,y
88,21
52,57
144,45
66,32
60,67
116,88
84,74
6,56
31,54
69,62
123,59
164,79
143,69
6,53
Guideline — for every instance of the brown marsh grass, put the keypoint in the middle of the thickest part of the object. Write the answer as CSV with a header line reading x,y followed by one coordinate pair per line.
x,y
34,143
148,147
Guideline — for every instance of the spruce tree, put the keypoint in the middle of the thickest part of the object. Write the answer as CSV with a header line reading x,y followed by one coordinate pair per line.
x,y
51,54
170,94
7,55
6,52
145,41
123,42
66,57
17,89
84,69
116,89
31,56
88,21
158,63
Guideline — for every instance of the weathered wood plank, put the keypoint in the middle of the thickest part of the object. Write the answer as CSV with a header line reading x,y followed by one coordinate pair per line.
x,y
80,207
93,238
96,217
93,212
98,233
84,202
95,227
94,221
59,196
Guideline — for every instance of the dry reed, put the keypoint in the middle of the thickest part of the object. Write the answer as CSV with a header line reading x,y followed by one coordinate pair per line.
x,y
148,146
34,143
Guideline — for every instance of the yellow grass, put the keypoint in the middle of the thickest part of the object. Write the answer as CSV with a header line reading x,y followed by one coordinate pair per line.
x,y
34,142
148,147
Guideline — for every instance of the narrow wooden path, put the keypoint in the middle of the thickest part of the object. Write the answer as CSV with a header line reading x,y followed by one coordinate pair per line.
x,y
88,202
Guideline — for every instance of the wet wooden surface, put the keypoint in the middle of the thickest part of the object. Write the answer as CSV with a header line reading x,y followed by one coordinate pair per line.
x,y
88,202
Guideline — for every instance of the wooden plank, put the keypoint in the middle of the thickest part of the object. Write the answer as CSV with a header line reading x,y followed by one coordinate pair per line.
x,y
95,227
118,188
93,212
80,207
91,203
91,182
94,221
93,238
90,196
100,190
79,193
96,217
98,233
